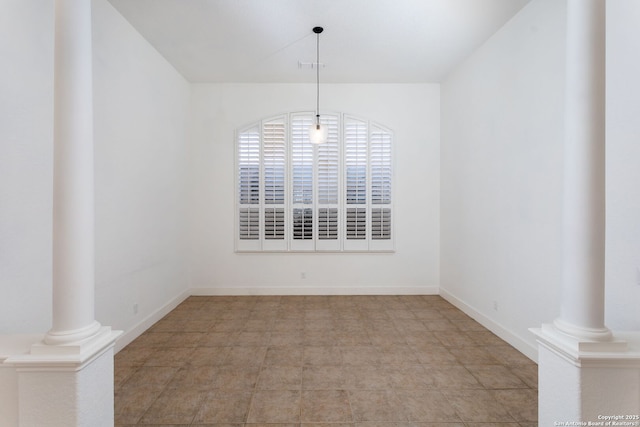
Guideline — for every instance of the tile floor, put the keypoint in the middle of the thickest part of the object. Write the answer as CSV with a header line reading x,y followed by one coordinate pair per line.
x,y
359,361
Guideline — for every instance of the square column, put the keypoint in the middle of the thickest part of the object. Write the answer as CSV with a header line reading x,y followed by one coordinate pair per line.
x,y
588,386
67,385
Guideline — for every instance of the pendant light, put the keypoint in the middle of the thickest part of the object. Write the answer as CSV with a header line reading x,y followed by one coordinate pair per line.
x,y
317,132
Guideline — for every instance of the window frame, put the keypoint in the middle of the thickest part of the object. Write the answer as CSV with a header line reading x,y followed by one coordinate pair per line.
x,y
341,244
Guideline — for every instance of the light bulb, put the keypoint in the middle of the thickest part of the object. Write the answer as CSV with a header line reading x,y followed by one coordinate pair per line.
x,y
318,134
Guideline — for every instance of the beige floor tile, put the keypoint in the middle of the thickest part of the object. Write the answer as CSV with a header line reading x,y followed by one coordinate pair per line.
x,y
280,378
387,339
487,338
420,338
398,355
174,406
169,357
407,424
245,356
224,407
508,355
360,355
352,339
496,377
477,406
323,378
434,354
318,338
236,378
366,377
440,325
521,404
258,325
195,378
473,356
283,356
409,377
287,339
527,373
252,339
376,405
451,377
152,339
427,406
322,356
153,375
209,356
131,403
455,339
287,324
122,373
353,361
133,356
325,406
275,406
217,339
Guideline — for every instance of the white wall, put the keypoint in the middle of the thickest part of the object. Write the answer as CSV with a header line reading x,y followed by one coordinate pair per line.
x,y
26,135
141,106
502,138
501,162
411,111
141,109
623,166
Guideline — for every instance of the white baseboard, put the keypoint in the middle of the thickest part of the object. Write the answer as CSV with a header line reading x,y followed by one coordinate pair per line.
x,y
509,336
133,333
315,290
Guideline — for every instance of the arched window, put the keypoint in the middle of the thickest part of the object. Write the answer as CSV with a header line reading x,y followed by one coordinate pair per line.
x,y
293,195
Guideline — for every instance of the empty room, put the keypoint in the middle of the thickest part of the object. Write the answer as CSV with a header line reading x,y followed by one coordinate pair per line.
x,y
296,212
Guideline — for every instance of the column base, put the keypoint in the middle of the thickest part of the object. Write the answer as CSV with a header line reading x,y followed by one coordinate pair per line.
x,y
67,337
587,381
67,385
564,336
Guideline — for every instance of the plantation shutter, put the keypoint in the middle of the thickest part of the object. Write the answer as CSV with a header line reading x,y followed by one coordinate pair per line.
x,y
327,187
248,184
355,158
380,166
302,161
274,158
292,195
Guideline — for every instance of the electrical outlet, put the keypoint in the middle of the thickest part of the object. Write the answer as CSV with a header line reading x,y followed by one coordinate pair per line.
x,y
135,308
638,276
495,305
303,275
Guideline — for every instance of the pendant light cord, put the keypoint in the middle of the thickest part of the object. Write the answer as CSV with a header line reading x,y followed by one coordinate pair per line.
x,y
317,78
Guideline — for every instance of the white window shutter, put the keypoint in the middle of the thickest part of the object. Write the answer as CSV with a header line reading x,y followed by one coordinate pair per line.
x,y
292,195
328,187
274,166
356,135
248,185
302,177
380,169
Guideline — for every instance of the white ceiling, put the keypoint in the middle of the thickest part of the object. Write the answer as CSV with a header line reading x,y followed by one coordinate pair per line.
x,y
365,41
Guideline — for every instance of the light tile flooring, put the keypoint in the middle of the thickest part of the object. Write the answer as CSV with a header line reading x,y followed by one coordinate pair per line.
x,y
360,361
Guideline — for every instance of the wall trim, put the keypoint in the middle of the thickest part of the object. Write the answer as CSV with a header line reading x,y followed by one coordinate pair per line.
x,y
316,290
509,336
133,333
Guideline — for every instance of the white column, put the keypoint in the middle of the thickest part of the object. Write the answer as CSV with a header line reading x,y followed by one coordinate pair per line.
x,y
582,313
73,203
67,380
584,373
